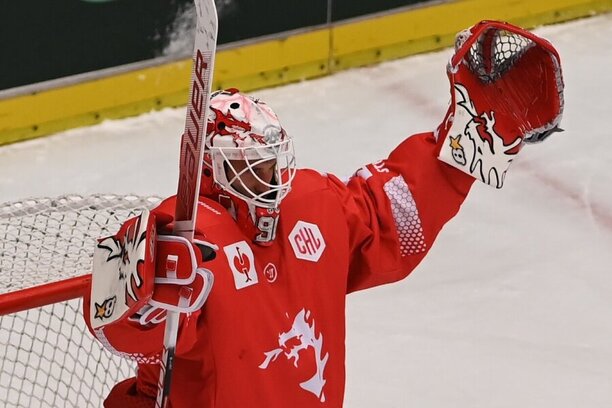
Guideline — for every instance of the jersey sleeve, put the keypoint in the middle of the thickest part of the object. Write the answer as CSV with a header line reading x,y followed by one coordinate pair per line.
x,y
395,209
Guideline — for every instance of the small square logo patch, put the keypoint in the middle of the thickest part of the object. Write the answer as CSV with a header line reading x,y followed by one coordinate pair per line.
x,y
242,263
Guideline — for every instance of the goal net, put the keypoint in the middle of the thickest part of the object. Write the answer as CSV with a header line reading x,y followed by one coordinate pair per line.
x,y
48,358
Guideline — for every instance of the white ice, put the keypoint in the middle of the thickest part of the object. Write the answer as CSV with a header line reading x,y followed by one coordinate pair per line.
x,y
512,307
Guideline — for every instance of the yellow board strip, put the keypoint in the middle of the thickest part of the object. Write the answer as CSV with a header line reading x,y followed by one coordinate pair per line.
x,y
93,96
274,62
429,28
258,65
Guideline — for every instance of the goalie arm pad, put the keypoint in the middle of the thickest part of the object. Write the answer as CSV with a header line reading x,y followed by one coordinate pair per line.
x,y
138,275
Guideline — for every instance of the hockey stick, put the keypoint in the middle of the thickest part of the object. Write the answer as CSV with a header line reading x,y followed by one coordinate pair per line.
x,y
190,168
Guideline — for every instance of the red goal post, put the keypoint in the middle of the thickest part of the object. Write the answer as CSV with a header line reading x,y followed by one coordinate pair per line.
x,y
47,356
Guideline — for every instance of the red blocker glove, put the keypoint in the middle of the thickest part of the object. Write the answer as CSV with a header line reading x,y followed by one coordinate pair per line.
x,y
180,285
139,274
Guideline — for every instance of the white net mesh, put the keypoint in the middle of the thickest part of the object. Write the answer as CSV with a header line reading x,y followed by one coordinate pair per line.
x,y
51,239
47,356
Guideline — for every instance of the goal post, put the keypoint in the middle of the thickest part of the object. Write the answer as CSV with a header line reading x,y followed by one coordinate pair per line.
x,y
49,293
48,358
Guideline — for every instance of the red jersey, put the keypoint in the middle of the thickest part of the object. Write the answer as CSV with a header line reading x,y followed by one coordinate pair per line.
x,y
272,331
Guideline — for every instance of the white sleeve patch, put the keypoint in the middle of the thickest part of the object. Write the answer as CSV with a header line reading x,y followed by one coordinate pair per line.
x,y
406,217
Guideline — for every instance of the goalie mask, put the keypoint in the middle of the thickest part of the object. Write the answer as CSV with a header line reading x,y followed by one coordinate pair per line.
x,y
251,158
506,90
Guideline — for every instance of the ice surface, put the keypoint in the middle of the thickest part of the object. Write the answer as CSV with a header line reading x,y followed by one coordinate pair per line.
x,y
512,307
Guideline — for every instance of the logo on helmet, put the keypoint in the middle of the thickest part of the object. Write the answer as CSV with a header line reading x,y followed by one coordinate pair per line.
x,y
272,134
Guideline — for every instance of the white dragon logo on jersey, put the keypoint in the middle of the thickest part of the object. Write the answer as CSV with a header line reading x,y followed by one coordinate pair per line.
x,y
305,334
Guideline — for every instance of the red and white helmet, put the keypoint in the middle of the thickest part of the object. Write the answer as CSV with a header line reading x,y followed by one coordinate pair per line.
x,y
244,128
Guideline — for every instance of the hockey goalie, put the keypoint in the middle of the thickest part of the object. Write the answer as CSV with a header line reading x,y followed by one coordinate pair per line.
x,y
285,245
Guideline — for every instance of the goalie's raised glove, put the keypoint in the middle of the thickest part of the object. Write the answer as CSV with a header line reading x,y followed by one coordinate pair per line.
x,y
140,274
506,90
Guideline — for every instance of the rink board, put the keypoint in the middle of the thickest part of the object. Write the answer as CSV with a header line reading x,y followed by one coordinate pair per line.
x,y
54,106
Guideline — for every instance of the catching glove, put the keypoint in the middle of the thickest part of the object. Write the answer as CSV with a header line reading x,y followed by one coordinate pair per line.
x,y
506,90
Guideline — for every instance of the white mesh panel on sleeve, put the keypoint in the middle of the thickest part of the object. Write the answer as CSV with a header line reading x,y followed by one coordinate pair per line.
x,y
406,217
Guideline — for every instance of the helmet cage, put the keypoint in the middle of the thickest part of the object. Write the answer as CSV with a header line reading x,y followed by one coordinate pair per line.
x,y
226,175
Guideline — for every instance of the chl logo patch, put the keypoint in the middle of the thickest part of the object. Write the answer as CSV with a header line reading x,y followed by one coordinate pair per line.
x,y
307,241
242,263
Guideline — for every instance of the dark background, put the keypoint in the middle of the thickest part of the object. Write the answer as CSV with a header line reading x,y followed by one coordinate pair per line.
x,y
48,39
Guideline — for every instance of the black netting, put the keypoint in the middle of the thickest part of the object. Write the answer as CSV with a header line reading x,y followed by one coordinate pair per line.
x,y
495,52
